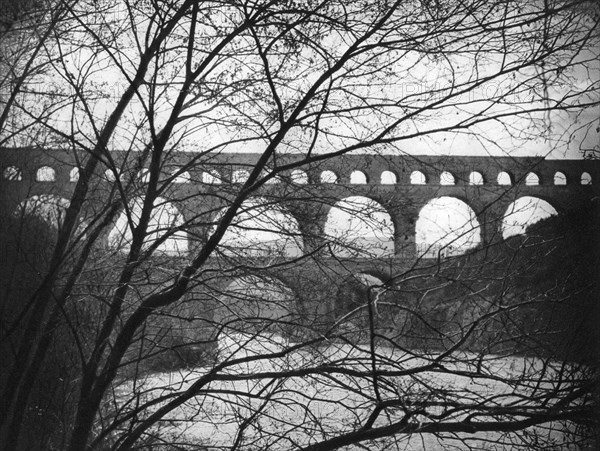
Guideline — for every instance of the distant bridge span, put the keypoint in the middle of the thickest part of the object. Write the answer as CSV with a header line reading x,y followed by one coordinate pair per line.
x,y
403,185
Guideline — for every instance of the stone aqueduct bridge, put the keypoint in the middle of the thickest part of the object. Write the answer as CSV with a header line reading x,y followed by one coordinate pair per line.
x,y
487,184
565,184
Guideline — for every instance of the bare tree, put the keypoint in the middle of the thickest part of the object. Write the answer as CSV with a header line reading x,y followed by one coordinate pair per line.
x,y
167,251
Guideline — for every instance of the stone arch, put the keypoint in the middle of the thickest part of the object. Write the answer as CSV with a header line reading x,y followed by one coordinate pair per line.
x,y
418,178
74,175
524,212
354,291
165,217
252,316
446,178
385,276
358,226
586,178
358,178
388,178
446,226
560,178
256,297
48,207
111,175
144,176
299,177
476,178
12,173
273,180
328,176
504,179
352,312
181,177
45,174
240,176
212,177
262,229
532,179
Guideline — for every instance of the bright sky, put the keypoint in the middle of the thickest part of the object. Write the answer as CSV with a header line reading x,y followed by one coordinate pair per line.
x,y
411,80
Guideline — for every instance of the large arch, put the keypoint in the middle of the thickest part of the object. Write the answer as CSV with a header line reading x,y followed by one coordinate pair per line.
x,y
254,299
524,212
262,229
364,300
252,316
165,217
354,292
446,226
48,207
358,226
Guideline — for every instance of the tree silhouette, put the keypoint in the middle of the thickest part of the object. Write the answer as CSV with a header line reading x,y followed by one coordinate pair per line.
x,y
160,293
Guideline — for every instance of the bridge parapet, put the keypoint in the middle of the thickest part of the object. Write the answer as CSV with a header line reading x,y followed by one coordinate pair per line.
x,y
27,161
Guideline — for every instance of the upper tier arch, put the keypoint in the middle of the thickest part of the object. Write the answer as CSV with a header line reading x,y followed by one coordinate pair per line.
x,y
29,160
